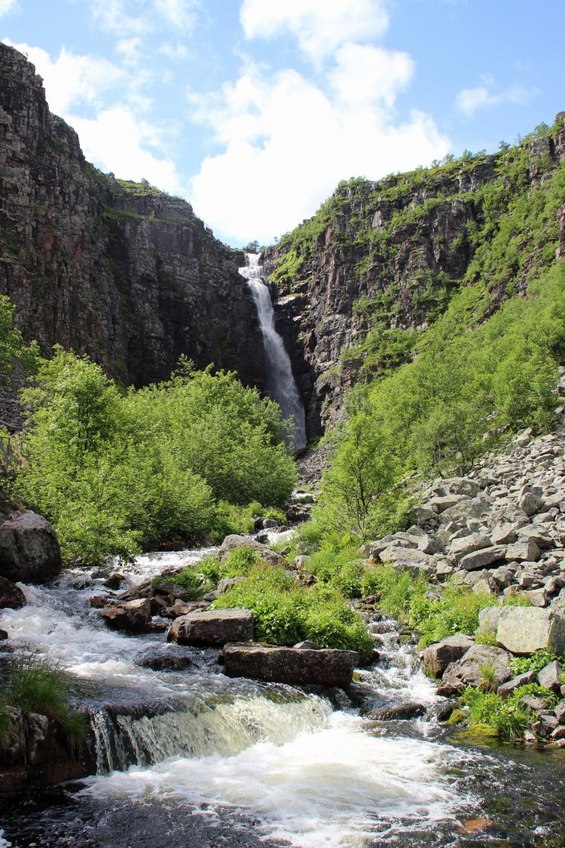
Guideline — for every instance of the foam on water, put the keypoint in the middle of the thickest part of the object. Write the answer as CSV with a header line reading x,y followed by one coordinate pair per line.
x,y
329,785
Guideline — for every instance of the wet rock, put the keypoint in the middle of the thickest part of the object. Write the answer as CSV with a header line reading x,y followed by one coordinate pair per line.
x,y
524,630
325,666
29,550
3,635
212,627
438,656
11,596
114,581
399,712
167,658
469,670
130,616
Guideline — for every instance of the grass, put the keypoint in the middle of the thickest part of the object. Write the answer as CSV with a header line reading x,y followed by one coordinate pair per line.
x,y
35,687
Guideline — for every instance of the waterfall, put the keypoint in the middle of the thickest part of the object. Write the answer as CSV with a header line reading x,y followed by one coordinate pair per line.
x,y
281,385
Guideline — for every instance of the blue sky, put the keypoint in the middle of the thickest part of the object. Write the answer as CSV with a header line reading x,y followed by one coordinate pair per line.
x,y
254,110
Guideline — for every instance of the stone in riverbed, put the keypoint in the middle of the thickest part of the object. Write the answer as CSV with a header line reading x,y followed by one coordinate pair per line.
x,y
326,666
131,616
29,550
11,596
212,627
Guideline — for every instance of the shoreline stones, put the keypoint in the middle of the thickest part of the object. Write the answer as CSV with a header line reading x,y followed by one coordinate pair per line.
x,y
501,529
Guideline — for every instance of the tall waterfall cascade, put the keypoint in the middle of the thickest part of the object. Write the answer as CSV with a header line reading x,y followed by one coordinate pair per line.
x,y
281,385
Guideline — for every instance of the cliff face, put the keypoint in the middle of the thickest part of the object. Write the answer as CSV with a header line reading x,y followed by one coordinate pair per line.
x,y
116,270
380,261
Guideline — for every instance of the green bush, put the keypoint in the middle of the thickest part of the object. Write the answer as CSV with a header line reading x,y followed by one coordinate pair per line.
x,y
286,613
118,472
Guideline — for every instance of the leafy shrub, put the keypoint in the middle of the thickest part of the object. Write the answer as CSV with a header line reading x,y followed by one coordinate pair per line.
x,y
286,613
116,473
535,662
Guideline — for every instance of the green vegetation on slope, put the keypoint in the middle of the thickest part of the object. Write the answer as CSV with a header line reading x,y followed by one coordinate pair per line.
x,y
168,463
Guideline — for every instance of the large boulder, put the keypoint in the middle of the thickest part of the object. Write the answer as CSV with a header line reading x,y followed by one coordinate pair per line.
x,y
325,666
471,670
212,627
131,616
11,596
524,630
29,550
438,656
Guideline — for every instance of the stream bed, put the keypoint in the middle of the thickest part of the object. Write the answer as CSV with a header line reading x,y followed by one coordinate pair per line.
x,y
193,758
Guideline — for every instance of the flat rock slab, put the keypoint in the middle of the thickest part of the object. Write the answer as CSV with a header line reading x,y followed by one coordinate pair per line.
x,y
130,616
325,666
438,656
212,627
524,630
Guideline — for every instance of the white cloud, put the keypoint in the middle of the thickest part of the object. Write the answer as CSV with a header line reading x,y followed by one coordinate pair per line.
x,y
71,78
287,144
319,26
7,6
471,100
180,14
112,15
365,74
116,140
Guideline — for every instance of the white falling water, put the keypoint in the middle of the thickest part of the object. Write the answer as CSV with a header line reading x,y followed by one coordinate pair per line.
x,y
281,385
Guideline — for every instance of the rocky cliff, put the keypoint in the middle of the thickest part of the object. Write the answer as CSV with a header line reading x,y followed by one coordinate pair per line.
x,y
380,261
114,269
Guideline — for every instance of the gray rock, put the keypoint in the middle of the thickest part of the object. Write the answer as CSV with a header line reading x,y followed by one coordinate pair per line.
x,y
524,630
537,535
506,689
441,504
549,676
537,597
167,658
235,541
505,534
488,619
468,544
212,627
483,558
29,550
438,656
530,503
524,550
469,670
560,712
290,665
11,596
409,558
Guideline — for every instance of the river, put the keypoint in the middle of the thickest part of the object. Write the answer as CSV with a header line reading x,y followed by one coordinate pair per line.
x,y
192,758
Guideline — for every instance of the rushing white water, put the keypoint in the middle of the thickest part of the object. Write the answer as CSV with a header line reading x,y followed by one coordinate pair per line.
x,y
281,385
330,785
316,777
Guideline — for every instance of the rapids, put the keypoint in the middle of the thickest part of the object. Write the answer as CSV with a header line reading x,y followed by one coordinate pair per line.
x,y
194,758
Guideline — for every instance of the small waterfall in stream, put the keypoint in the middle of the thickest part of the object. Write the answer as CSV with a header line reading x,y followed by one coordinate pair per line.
x,y
281,385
